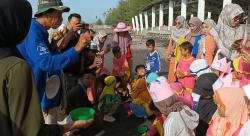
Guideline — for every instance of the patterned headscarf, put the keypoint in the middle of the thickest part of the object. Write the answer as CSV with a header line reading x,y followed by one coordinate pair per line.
x,y
97,39
227,34
182,31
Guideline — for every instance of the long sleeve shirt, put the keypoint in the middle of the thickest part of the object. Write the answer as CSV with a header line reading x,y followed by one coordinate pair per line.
x,y
153,62
35,50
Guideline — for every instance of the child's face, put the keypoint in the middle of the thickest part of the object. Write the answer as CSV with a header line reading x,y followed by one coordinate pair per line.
x,y
88,80
184,52
151,48
118,55
141,72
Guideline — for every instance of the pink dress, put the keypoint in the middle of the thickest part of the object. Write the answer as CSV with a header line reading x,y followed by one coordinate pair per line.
x,y
118,65
188,80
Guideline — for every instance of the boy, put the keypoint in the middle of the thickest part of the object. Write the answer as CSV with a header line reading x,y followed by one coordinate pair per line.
x,y
153,59
140,71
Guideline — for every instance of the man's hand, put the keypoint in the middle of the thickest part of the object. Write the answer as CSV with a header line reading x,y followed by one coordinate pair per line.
x,y
76,27
84,39
79,125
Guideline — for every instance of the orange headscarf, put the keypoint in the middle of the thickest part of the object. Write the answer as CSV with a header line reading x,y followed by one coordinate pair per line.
x,y
236,112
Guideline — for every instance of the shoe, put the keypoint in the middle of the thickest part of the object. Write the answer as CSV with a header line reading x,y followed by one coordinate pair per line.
x,y
109,118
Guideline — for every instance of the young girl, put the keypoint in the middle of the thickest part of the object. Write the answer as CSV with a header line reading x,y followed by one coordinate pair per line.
x,y
183,72
229,122
119,61
241,71
109,100
181,120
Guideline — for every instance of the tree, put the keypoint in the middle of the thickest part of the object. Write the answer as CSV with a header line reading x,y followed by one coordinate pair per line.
x,y
99,22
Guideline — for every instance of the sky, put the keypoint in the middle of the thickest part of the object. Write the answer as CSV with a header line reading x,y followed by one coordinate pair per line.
x,y
88,9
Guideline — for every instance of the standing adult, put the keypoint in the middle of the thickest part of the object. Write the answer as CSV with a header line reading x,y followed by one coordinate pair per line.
x,y
178,32
20,112
44,62
230,30
123,39
195,34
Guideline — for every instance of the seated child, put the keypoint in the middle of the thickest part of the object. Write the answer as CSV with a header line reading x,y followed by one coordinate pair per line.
x,y
109,100
181,120
182,71
77,96
184,97
153,58
121,89
140,99
157,126
119,61
140,71
229,122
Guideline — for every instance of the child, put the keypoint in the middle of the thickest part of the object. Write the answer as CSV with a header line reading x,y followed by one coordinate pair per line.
x,y
220,65
77,96
181,120
184,97
241,71
182,71
140,99
233,113
119,61
109,101
153,57
140,71
121,89
157,126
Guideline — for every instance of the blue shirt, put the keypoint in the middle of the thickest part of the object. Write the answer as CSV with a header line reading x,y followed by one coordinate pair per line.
x,y
153,62
34,49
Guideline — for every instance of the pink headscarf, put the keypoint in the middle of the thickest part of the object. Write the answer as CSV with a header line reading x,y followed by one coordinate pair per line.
x,y
123,40
236,112
183,96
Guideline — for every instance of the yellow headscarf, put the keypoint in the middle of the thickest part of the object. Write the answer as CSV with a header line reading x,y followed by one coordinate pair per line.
x,y
178,49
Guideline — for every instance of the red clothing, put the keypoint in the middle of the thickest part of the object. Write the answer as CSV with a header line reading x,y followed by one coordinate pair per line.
x,y
188,80
119,64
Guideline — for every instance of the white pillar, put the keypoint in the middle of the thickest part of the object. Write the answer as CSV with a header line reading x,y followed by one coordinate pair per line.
x,y
137,24
248,14
201,9
184,8
225,2
160,16
133,22
146,19
192,15
171,13
141,22
153,17
208,14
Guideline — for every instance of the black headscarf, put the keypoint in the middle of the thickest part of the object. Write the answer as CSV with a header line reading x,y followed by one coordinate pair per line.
x,y
203,87
15,19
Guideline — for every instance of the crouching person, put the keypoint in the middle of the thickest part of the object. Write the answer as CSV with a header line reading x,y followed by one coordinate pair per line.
x,y
109,100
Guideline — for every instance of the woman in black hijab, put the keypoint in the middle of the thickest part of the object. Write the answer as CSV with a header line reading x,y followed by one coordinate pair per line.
x,y
20,111
206,105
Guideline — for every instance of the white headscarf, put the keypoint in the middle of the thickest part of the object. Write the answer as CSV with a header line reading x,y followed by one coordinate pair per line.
x,y
182,31
227,34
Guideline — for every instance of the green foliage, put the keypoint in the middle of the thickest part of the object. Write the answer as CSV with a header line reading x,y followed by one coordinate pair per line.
x,y
125,10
